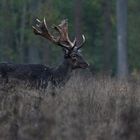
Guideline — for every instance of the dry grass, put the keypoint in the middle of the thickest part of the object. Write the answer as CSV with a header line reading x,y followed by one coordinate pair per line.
x,y
85,109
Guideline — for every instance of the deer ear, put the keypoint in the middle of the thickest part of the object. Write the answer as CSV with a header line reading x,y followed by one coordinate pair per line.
x,y
66,51
79,50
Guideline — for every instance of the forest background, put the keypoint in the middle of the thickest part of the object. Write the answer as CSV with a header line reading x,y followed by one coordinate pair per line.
x,y
87,107
98,20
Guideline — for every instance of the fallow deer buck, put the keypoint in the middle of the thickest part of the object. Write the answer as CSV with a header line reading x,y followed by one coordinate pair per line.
x,y
40,75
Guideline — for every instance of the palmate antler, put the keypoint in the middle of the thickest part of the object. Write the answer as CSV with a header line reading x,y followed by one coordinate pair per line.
x,y
63,38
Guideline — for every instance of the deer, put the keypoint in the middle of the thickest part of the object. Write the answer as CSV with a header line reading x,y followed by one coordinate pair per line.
x,y
40,75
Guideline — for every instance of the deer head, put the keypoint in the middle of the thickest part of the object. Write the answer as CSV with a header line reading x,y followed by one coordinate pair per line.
x,y
70,48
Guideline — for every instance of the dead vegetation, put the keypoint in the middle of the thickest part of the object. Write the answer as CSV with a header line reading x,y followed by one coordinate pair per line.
x,y
85,109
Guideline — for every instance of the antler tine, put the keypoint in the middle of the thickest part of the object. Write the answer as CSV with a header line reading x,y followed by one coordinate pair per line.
x,y
47,33
74,42
62,40
42,30
81,45
62,28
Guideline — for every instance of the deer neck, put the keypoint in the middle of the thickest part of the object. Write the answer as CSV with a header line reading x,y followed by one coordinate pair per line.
x,y
62,72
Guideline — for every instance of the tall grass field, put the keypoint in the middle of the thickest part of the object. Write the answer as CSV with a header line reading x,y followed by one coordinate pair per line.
x,y
86,108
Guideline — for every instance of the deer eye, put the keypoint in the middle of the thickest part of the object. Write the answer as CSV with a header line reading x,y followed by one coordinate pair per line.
x,y
74,59
73,56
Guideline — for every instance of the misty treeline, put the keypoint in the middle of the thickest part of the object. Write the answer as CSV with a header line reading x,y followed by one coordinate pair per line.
x,y
96,19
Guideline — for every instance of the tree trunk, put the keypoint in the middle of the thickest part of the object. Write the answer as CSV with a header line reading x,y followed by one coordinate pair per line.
x,y
33,48
45,44
33,55
22,33
122,64
107,35
46,54
7,30
78,19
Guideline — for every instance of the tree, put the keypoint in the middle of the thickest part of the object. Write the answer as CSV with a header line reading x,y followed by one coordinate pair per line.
x,y
78,19
122,62
107,35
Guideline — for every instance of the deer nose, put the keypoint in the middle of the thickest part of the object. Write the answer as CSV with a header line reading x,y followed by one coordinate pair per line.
x,y
84,65
87,65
